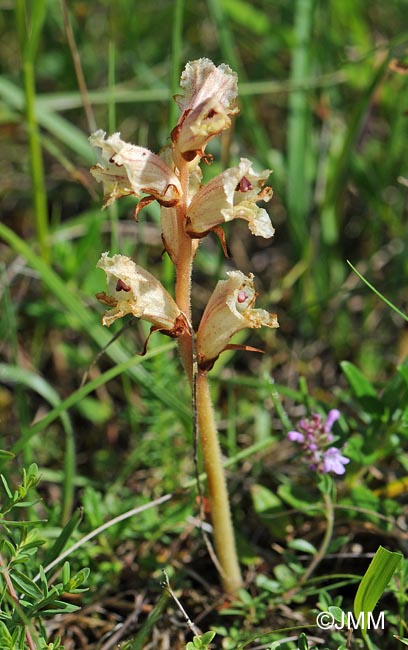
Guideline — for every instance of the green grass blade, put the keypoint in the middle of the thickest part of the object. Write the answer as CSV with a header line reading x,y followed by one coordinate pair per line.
x,y
63,537
29,25
377,293
298,192
374,582
139,642
36,20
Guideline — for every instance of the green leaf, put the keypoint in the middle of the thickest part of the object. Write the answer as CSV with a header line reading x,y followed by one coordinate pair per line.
x,y
207,637
302,545
63,537
375,581
94,410
6,455
337,613
362,389
303,642
5,638
25,585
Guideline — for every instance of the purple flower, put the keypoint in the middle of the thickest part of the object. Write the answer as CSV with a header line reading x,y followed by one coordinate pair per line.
x,y
314,435
296,436
332,417
334,461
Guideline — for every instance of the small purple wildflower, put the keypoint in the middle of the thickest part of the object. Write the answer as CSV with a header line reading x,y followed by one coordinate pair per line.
x,y
332,417
334,461
314,435
295,436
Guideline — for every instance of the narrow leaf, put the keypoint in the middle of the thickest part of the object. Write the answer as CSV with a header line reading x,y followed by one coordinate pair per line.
x,y
375,581
63,537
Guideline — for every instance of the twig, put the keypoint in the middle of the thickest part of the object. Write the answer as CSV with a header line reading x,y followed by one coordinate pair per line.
x,y
130,620
167,587
78,69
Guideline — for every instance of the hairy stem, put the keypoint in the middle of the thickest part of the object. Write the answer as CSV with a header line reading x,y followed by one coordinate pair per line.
x,y
183,275
227,559
224,539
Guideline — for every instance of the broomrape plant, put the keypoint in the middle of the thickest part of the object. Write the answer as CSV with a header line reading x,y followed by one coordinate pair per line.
x,y
189,211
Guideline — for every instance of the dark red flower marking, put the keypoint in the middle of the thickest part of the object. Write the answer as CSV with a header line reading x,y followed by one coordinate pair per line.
x,y
244,185
242,296
121,286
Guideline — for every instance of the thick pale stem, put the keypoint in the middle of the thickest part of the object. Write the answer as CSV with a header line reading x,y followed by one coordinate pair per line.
x,y
224,539
183,276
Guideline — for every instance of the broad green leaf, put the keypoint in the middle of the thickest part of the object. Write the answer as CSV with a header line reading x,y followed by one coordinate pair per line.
x,y
375,581
362,389
270,507
359,384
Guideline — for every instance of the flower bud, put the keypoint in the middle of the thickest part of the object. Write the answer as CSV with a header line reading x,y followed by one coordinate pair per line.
x,y
132,290
231,195
229,310
127,169
206,104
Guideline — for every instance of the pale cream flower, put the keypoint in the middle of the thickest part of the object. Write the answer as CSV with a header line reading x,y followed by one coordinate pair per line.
x,y
207,103
229,310
125,169
231,195
133,290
